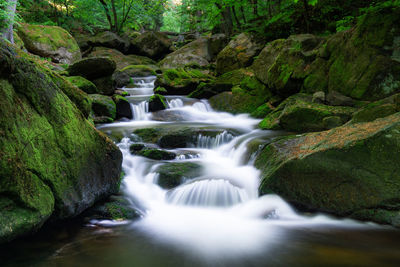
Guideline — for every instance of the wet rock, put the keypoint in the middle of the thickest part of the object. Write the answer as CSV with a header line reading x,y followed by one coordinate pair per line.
x,y
319,97
123,107
103,106
114,208
134,148
54,163
337,99
50,41
297,113
157,103
351,170
92,68
156,154
173,174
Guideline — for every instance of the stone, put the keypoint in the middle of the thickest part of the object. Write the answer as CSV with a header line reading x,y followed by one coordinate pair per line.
x,y
319,97
92,68
105,85
351,171
103,106
298,114
123,107
122,60
173,174
337,99
239,53
156,154
110,40
50,42
157,103
53,162
154,45
83,84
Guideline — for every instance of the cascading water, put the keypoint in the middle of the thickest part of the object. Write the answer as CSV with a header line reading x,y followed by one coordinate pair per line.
x,y
219,213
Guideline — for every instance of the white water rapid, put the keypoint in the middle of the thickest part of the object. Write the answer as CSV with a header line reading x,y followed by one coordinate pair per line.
x,y
219,213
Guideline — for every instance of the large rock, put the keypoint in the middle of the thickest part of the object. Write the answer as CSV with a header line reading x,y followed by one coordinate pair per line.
x,y
197,53
173,174
362,63
246,95
157,102
284,64
83,84
154,45
120,59
297,113
123,107
350,171
239,53
103,106
181,81
93,68
110,40
53,162
50,41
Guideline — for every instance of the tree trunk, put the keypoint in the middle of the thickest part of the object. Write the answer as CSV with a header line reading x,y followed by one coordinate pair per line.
x,y
7,32
114,10
236,17
255,7
107,11
227,23
243,14
306,16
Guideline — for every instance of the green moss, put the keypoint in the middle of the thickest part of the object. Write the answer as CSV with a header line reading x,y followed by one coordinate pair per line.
x,y
83,84
156,154
103,106
173,174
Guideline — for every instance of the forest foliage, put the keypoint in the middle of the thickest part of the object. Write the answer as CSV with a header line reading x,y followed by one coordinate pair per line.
x,y
269,18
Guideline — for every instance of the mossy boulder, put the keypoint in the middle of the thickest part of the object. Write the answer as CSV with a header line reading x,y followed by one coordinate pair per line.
x,y
298,114
351,170
53,162
105,85
173,174
123,107
239,53
181,81
83,84
195,52
156,154
110,40
284,64
115,207
247,92
120,59
103,106
377,109
92,68
154,45
157,102
50,42
124,76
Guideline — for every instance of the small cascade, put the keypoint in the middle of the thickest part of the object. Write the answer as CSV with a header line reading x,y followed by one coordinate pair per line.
x,y
209,192
140,111
213,142
203,106
175,103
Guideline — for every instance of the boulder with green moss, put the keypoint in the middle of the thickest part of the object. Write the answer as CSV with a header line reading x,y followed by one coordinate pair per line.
x,y
124,76
181,81
194,53
93,68
103,106
123,107
299,114
173,174
239,53
53,162
83,84
50,42
246,94
116,207
157,102
350,171
284,64
156,154
154,45
120,59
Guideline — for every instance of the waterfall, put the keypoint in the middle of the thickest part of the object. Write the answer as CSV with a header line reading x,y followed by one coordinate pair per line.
x,y
175,103
212,142
140,111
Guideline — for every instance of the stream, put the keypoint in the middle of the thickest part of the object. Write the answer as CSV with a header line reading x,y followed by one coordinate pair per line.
x,y
213,218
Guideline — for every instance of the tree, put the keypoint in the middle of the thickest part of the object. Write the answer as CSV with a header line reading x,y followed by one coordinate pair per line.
x,y
7,19
120,13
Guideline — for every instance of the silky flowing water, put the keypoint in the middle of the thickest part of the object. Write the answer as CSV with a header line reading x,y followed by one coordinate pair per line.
x,y
214,219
